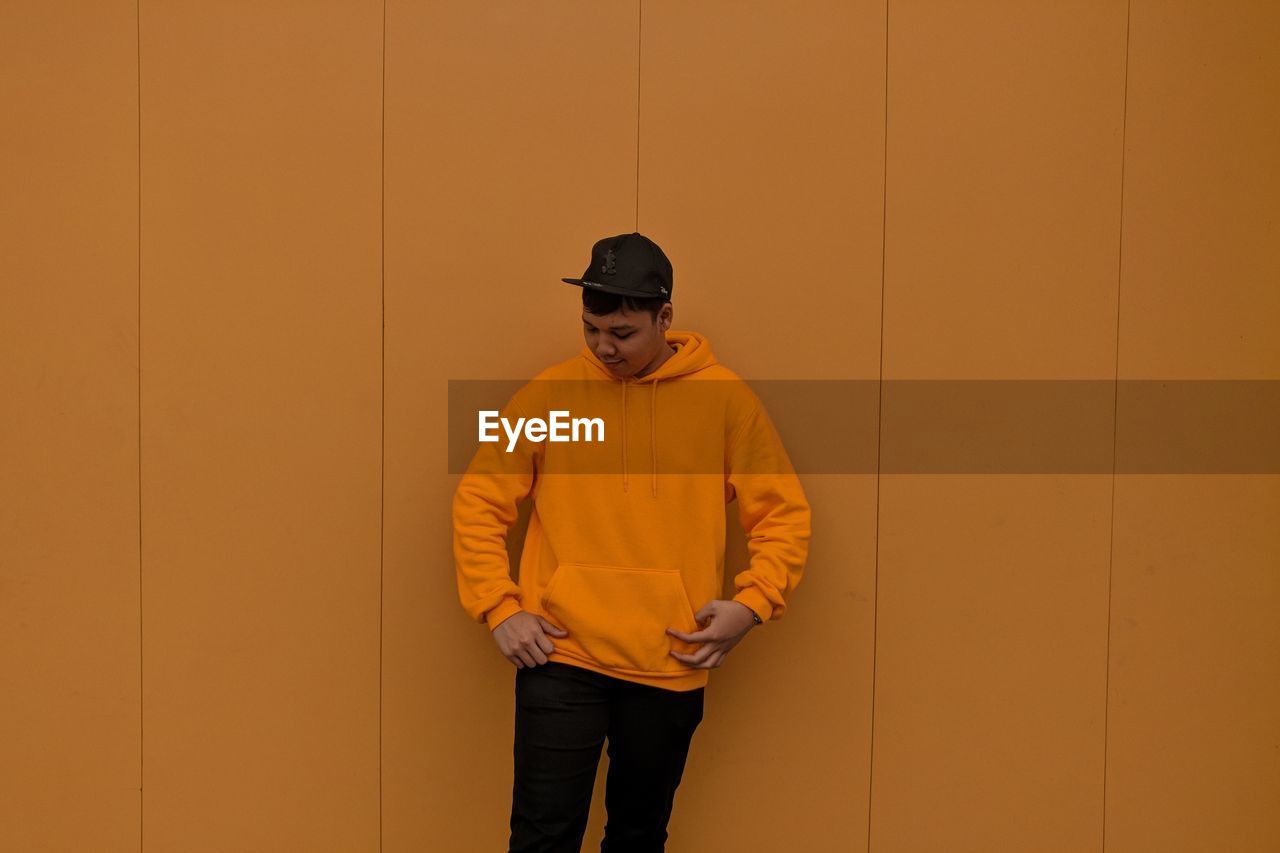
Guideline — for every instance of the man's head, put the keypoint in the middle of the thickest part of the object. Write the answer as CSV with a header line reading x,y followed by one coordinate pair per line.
x,y
625,332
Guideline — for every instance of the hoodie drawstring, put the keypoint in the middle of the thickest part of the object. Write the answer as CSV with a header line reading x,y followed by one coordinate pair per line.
x,y
624,435
653,438
653,434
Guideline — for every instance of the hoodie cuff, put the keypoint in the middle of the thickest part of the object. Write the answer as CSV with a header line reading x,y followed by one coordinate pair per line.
x,y
755,599
509,607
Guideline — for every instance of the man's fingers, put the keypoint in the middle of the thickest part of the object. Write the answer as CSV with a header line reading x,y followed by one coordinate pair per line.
x,y
697,657
701,655
545,644
532,649
691,660
702,636
553,630
710,661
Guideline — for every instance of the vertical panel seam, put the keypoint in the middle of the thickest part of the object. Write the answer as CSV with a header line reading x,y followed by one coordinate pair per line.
x,y
875,597
639,48
1115,428
382,448
137,18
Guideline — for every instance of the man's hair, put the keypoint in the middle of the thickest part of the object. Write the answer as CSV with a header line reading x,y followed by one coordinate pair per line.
x,y
600,303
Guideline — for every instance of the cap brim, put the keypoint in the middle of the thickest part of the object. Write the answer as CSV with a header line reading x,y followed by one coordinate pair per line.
x,y
604,288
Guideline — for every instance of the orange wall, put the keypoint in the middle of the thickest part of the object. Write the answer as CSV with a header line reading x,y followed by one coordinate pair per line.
x,y
245,246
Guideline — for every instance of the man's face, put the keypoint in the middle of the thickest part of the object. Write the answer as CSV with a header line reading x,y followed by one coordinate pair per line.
x,y
626,341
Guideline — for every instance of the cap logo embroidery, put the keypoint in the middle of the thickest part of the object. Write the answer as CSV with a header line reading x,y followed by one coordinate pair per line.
x,y
608,266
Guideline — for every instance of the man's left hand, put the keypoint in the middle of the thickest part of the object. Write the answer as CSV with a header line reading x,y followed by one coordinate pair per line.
x,y
728,622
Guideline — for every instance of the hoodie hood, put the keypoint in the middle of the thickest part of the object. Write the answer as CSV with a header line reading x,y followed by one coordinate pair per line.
x,y
692,354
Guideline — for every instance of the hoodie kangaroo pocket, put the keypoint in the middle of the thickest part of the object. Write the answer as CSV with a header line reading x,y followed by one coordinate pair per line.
x,y
618,616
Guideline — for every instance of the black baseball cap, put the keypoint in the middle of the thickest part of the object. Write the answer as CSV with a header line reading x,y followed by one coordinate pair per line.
x,y
628,265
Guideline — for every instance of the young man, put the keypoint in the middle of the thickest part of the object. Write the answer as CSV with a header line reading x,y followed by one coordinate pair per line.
x,y
617,618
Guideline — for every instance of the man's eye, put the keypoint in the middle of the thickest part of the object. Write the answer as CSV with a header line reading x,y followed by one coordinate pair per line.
x,y
624,337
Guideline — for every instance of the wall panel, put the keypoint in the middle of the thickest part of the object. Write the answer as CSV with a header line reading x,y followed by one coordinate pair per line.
x,y
69,655
510,150
261,425
1000,264
761,173
1194,698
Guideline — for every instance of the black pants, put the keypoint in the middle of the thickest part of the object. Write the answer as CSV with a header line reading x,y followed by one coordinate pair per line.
x,y
563,715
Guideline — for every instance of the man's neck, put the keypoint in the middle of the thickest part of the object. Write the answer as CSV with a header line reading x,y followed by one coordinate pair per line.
x,y
670,351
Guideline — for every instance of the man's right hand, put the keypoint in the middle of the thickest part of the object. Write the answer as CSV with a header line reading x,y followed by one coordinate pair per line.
x,y
522,638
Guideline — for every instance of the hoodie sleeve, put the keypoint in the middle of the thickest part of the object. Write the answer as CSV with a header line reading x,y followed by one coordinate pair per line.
x,y
485,506
773,511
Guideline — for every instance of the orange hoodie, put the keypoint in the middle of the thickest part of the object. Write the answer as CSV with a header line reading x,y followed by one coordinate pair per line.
x,y
615,560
